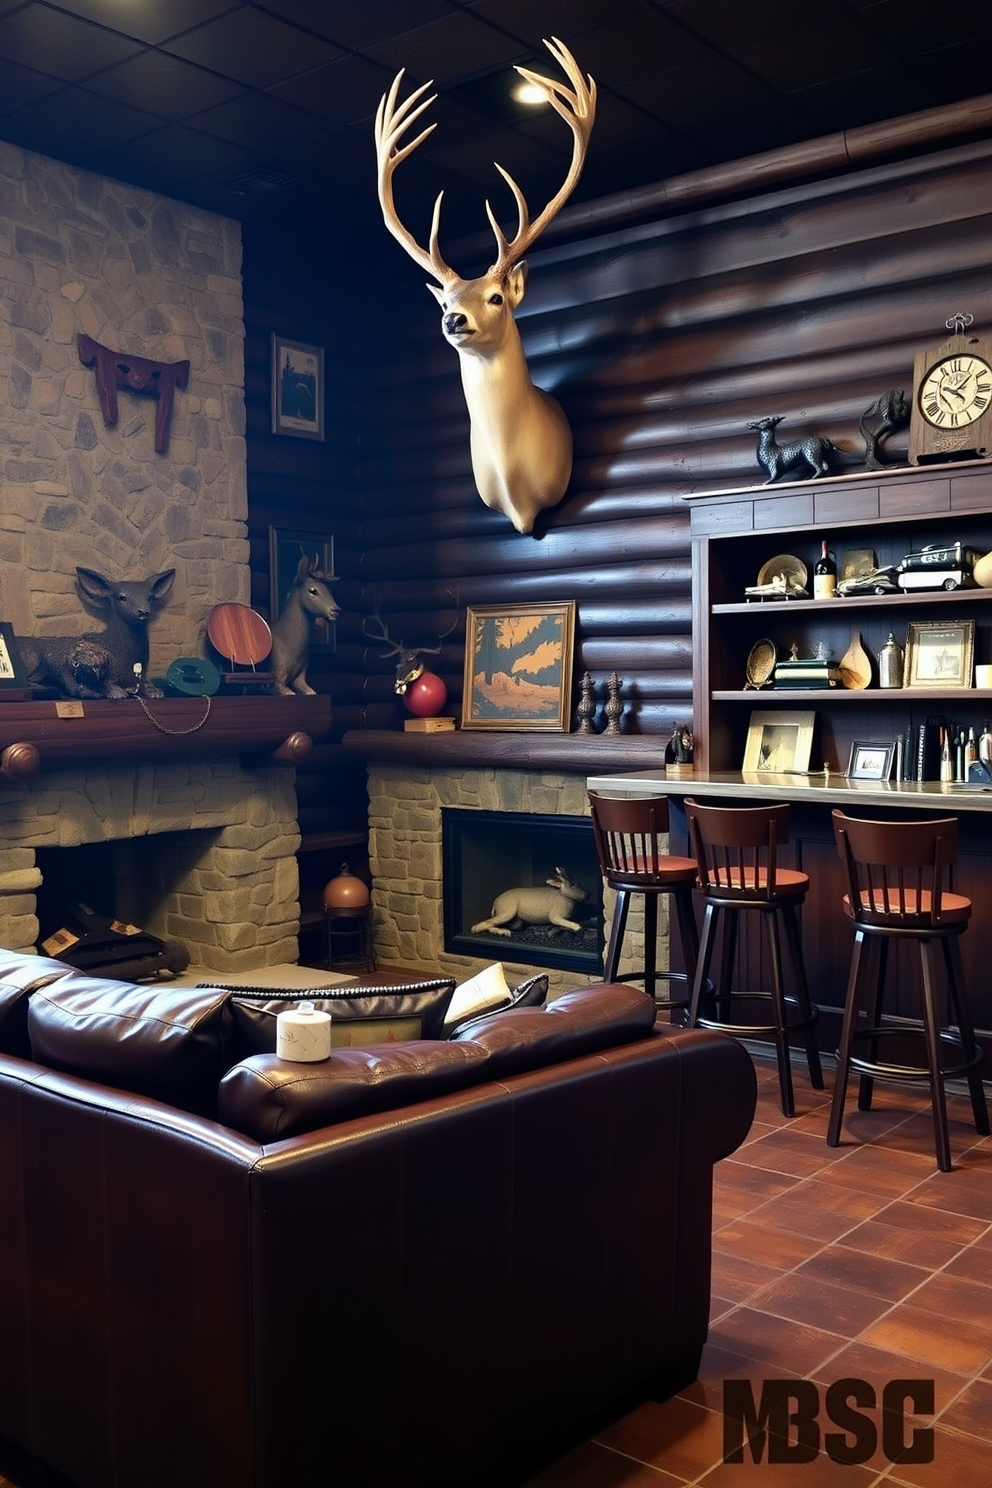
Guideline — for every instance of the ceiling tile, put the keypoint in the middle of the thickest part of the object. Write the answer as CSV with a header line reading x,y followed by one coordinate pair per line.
x,y
688,93
153,20
729,25
561,18
345,90
259,122
358,25
95,121
169,157
251,47
21,85
636,47
814,55
454,47
53,42
165,84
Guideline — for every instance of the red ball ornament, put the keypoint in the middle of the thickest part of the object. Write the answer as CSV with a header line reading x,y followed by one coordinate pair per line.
x,y
427,696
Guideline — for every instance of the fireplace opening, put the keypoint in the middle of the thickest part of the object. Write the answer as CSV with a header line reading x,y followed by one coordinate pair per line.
x,y
487,854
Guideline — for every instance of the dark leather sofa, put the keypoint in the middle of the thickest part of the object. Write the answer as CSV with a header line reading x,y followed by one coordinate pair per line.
x,y
443,1292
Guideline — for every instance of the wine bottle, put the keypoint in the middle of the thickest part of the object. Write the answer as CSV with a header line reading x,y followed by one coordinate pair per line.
x,y
985,744
824,575
970,750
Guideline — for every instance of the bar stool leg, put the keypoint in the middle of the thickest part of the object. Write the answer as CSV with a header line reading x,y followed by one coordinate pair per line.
x,y
650,944
847,1031
966,1028
706,942
876,972
803,1002
728,953
931,1031
617,928
778,1006
688,931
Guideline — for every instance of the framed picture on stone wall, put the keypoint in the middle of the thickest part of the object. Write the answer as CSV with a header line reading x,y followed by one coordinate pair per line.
x,y
297,388
12,675
518,666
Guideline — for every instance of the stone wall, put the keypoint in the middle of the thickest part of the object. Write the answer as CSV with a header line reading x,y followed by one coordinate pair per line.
x,y
144,275
211,845
407,867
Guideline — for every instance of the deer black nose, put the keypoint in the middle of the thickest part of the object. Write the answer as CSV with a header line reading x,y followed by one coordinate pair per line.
x,y
455,322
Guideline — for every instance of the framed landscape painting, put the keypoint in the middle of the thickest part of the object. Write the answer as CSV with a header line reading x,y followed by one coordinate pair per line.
x,y
518,666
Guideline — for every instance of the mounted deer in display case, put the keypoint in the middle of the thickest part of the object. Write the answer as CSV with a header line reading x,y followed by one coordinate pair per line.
x,y
520,440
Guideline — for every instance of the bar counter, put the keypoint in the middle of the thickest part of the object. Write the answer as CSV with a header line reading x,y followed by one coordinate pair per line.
x,y
816,788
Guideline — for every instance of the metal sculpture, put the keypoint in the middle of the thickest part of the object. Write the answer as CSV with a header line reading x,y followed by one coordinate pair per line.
x,y
810,455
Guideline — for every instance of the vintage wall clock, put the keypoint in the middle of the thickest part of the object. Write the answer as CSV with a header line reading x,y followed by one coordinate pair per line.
x,y
951,416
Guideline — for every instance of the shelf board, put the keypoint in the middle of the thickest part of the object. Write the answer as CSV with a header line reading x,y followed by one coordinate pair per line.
x,y
851,694
857,602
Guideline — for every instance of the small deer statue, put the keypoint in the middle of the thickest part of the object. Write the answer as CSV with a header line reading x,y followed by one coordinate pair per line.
x,y
112,663
535,906
309,599
409,659
520,440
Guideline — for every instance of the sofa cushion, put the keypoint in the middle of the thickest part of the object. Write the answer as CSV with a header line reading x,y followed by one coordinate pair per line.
x,y
173,1045
20,975
359,1015
531,993
574,1024
268,1098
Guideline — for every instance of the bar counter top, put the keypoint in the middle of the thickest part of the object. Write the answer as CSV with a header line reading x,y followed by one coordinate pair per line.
x,y
831,790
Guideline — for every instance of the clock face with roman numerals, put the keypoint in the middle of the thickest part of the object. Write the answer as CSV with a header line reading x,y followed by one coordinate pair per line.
x,y
956,391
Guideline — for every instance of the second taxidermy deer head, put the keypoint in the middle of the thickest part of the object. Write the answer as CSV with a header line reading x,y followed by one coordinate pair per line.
x,y
520,440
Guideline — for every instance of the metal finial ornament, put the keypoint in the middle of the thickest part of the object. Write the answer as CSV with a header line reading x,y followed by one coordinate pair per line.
x,y
587,706
614,704
958,323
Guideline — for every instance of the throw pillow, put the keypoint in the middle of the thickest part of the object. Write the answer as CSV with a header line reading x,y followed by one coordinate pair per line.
x,y
531,993
360,1016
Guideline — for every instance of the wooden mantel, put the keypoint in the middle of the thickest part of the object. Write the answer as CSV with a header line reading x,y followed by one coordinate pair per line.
x,y
50,735
570,754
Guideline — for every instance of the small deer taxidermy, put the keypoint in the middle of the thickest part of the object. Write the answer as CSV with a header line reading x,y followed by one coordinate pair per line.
x,y
520,440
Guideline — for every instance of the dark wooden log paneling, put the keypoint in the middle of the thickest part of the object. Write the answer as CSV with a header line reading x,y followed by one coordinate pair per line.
x,y
661,338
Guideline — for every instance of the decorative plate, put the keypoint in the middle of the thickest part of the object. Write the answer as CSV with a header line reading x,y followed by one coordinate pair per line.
x,y
785,563
761,663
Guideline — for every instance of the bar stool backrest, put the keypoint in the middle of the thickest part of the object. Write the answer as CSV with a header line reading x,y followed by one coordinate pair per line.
x,y
736,848
897,872
627,831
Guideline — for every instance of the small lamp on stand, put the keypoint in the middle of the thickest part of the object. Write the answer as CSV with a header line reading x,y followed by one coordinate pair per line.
x,y
348,919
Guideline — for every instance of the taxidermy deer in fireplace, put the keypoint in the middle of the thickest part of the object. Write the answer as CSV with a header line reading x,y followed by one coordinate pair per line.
x,y
521,443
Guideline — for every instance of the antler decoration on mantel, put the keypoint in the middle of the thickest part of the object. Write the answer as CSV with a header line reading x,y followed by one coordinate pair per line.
x,y
520,440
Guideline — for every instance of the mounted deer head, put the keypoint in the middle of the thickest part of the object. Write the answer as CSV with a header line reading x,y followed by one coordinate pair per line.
x,y
520,440
409,659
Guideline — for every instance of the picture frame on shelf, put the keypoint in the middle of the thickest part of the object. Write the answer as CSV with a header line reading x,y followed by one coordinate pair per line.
x,y
779,742
518,666
871,759
297,378
939,654
287,545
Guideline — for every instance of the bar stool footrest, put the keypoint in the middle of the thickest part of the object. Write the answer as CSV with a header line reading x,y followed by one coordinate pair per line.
x,y
798,1025
884,1071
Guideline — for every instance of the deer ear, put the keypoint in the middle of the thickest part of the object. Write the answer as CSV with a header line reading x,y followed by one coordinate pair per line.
x,y
516,283
162,583
438,294
93,585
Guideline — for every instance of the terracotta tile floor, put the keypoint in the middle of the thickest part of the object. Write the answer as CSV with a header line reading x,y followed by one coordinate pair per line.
x,y
860,1261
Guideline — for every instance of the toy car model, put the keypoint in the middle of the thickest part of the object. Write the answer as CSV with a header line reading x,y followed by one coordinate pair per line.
x,y
939,568
874,581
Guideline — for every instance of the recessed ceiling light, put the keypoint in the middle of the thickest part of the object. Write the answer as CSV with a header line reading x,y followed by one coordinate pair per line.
x,y
530,94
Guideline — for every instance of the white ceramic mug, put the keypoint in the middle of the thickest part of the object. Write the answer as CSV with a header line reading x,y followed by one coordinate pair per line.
x,y
983,675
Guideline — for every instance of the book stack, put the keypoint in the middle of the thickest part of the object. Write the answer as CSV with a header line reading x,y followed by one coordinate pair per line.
x,y
813,672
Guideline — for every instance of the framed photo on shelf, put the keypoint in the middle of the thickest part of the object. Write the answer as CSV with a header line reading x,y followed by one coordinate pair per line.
x,y
297,388
13,677
871,760
779,743
939,654
518,666
287,546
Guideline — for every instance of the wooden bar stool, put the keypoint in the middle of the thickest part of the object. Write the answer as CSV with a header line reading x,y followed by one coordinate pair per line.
x,y
897,876
633,860
736,851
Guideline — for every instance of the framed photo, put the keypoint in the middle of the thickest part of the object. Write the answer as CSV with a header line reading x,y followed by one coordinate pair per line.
x,y
287,545
297,389
12,673
779,743
871,760
518,666
938,654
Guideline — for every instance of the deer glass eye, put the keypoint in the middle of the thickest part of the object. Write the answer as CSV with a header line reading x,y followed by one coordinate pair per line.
x,y
496,299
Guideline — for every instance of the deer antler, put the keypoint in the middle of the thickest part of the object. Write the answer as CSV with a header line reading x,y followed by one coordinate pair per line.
x,y
391,123
385,636
578,109
576,105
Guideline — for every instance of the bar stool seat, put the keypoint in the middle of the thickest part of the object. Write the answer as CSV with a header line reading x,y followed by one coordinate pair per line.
x,y
736,851
896,874
633,860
